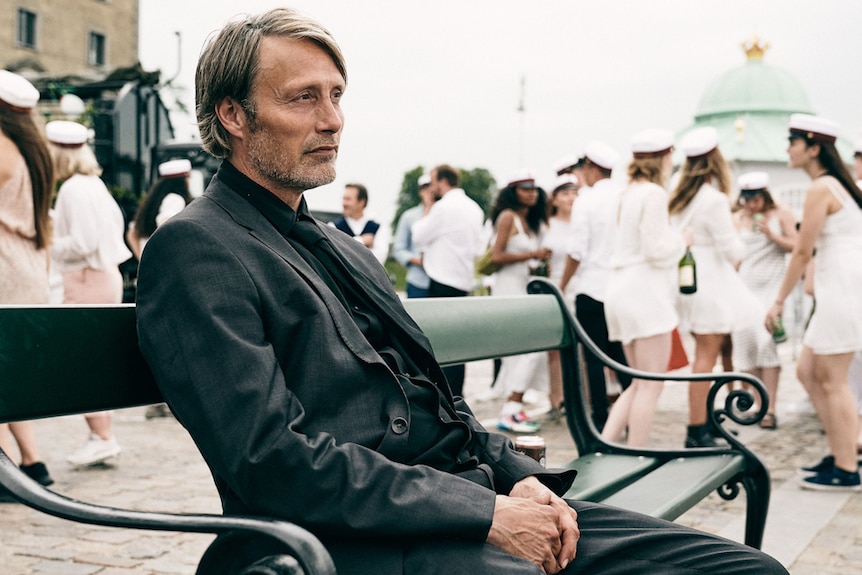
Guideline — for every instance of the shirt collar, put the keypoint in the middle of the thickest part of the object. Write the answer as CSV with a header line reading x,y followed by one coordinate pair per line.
x,y
279,214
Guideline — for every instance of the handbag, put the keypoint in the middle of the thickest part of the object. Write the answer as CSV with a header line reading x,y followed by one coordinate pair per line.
x,y
484,266
678,357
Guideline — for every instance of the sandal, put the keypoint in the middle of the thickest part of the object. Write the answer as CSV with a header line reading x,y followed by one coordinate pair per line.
x,y
769,421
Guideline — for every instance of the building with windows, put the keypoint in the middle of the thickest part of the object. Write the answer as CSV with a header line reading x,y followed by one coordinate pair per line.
x,y
86,39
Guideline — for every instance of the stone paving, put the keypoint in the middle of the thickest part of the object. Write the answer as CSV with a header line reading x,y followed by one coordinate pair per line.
x,y
160,470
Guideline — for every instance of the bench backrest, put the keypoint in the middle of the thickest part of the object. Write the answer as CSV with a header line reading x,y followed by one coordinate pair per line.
x,y
77,359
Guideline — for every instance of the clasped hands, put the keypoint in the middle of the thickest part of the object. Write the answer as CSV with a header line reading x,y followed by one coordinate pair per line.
x,y
534,523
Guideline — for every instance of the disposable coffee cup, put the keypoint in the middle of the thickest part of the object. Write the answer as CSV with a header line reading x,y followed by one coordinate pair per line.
x,y
532,446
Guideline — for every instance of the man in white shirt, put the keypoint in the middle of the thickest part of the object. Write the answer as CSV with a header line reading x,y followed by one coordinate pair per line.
x,y
587,265
450,238
404,248
358,225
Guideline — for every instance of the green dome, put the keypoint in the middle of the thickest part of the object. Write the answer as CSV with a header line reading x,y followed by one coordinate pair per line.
x,y
752,88
750,107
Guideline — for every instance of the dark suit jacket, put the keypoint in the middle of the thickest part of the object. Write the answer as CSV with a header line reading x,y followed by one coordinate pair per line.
x,y
292,409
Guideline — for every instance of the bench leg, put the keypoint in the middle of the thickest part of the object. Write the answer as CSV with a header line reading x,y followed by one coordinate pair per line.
x,y
757,502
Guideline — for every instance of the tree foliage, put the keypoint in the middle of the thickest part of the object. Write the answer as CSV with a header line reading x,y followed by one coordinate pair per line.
x,y
478,184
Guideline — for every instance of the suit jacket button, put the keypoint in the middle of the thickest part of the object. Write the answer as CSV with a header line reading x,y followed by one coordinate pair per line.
x,y
399,425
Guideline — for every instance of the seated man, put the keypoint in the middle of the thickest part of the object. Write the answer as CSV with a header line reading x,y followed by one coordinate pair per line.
x,y
281,346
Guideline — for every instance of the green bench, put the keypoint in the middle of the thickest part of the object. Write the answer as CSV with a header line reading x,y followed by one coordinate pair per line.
x,y
65,360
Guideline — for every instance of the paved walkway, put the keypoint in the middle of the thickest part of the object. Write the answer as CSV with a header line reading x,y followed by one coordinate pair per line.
x,y
160,470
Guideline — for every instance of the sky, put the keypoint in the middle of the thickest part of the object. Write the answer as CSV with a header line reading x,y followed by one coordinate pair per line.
x,y
443,81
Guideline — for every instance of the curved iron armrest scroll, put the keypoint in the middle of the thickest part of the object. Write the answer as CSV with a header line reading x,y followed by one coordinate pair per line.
x,y
309,552
737,404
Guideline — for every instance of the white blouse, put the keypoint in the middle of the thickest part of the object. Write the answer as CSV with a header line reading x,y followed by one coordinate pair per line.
x,y
88,226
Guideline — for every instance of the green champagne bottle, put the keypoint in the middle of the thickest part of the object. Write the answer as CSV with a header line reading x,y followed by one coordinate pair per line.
x,y
687,273
542,270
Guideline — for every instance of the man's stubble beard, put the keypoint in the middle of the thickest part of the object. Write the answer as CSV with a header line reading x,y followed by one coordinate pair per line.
x,y
265,157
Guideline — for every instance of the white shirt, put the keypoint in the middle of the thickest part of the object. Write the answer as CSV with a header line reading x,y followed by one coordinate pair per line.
x,y
380,247
592,225
88,226
450,239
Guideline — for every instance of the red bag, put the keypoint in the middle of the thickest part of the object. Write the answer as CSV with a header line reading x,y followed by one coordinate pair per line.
x,y
678,357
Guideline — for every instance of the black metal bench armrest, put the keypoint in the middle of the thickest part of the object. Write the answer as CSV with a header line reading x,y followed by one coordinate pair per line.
x,y
737,404
300,543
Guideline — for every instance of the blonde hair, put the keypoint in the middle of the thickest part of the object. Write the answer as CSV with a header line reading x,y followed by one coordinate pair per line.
x,y
711,168
649,169
229,65
69,161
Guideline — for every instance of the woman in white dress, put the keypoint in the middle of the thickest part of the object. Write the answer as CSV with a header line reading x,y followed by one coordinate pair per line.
x,y
700,202
639,304
556,238
519,217
88,248
768,231
831,223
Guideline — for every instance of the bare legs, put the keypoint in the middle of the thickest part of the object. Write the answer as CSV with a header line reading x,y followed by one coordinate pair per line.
x,y
100,423
25,437
555,373
635,407
707,348
769,376
825,379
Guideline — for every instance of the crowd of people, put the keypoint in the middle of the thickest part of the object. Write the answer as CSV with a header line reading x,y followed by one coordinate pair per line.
x,y
283,349
65,247
614,246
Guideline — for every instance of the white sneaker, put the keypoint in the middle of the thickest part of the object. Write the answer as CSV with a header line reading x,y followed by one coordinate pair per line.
x,y
95,450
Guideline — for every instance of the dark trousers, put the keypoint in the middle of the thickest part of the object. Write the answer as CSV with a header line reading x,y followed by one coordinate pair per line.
x,y
591,315
454,374
613,542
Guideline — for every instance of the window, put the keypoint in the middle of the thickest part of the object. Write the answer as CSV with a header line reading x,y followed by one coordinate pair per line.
x,y
96,51
26,28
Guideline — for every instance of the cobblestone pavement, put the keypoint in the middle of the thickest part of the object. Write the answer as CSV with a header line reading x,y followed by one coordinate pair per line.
x,y
161,470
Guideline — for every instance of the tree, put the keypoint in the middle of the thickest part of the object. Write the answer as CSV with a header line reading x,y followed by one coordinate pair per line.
x,y
478,184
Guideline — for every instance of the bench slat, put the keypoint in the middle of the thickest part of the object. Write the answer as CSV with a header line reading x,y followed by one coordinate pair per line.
x,y
70,359
601,474
476,328
674,487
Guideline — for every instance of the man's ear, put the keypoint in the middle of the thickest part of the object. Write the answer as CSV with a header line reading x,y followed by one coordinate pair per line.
x,y
232,116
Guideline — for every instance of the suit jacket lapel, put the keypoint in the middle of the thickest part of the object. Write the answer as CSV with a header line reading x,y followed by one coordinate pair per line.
x,y
249,217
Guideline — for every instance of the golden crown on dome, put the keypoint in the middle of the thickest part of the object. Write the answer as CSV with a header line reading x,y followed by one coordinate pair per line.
x,y
755,48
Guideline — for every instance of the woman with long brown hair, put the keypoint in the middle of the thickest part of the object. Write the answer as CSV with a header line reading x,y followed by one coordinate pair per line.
x,y
26,187
700,203
831,222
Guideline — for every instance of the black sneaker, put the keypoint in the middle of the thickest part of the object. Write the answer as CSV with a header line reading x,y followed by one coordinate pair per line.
x,y
38,473
824,464
833,479
700,436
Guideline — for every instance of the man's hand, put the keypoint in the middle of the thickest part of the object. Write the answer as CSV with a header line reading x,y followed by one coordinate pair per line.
x,y
528,529
367,239
532,488
535,524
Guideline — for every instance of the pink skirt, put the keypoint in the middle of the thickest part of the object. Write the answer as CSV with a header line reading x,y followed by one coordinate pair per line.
x,y
93,286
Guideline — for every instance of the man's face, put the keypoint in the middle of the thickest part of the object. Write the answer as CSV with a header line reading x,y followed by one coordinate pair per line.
x,y
591,173
434,186
350,203
292,140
